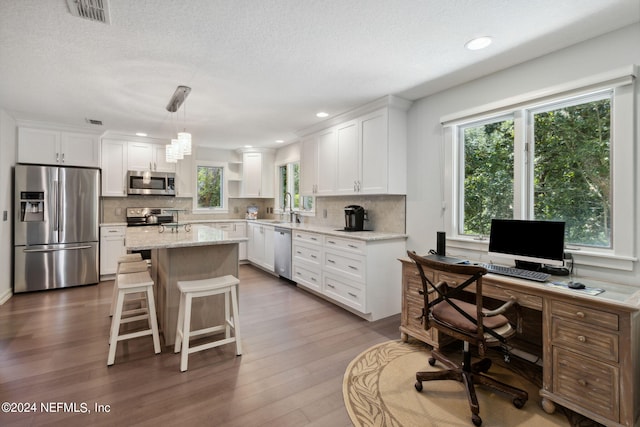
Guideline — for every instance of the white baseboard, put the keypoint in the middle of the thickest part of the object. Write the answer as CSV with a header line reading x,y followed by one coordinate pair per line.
x,y
5,296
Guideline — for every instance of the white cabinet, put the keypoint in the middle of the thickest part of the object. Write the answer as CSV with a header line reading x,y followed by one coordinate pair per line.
x,y
55,147
114,168
111,248
308,165
366,153
348,168
359,275
260,249
306,254
258,174
235,229
144,156
184,177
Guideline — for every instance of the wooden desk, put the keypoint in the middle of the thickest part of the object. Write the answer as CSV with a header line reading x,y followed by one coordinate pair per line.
x,y
590,344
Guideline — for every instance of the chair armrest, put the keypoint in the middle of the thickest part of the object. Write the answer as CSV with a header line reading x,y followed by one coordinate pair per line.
x,y
502,309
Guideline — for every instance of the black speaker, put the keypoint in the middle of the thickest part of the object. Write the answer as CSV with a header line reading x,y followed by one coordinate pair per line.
x,y
441,243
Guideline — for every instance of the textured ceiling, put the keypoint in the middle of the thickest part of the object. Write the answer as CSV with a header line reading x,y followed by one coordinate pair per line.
x,y
260,69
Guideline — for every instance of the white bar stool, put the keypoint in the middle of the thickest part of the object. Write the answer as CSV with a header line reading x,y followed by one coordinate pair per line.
x,y
227,285
130,263
129,283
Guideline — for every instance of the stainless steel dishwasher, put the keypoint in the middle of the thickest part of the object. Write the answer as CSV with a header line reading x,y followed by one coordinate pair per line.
x,y
282,249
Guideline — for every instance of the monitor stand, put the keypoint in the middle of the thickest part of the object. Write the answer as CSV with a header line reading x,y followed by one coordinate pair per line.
x,y
527,265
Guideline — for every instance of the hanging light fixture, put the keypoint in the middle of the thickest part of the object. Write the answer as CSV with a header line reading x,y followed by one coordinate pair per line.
x,y
181,146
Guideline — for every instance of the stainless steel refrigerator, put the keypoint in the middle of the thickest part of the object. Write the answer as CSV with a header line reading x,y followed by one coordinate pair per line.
x,y
55,227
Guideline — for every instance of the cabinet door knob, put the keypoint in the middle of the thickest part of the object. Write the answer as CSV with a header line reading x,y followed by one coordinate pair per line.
x,y
582,338
582,382
580,315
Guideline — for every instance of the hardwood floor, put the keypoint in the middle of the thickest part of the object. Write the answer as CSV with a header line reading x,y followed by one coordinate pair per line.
x,y
296,347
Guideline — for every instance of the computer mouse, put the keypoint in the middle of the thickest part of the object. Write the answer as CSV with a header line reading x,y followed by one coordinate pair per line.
x,y
575,285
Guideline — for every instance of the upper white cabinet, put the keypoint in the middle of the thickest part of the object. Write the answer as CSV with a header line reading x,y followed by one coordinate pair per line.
x,y
145,156
362,152
257,174
184,177
319,163
348,146
56,147
114,168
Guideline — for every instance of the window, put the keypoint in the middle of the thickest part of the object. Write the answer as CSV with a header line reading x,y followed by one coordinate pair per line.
x,y
572,169
488,174
565,164
289,182
210,187
572,159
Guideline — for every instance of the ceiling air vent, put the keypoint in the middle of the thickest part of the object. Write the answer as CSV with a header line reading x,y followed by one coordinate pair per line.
x,y
94,122
94,10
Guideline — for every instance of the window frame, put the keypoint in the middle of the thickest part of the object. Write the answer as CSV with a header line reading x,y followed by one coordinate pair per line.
x,y
621,255
278,199
224,199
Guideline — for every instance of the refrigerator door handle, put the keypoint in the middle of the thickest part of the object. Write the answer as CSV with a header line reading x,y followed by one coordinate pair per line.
x,y
55,188
73,248
61,204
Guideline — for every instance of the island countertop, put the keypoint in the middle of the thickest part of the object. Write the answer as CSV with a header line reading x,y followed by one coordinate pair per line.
x,y
140,238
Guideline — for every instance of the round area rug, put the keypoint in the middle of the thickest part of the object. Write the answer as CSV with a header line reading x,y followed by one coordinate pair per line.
x,y
378,390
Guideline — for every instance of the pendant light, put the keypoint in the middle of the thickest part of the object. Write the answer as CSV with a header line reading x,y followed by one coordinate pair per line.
x,y
181,146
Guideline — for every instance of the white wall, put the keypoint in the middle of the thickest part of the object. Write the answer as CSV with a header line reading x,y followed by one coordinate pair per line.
x,y
8,141
426,167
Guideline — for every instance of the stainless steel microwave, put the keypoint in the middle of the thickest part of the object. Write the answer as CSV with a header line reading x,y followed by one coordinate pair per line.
x,y
151,183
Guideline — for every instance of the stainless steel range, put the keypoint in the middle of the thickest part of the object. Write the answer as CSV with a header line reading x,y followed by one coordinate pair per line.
x,y
141,217
137,217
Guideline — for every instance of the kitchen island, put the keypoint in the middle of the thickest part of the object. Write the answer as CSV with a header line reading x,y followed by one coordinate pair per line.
x,y
188,252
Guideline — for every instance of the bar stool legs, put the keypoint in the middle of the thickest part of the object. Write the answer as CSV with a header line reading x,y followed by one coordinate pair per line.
x,y
131,283
189,290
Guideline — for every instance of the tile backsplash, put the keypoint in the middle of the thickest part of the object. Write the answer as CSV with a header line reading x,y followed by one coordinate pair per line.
x,y
386,213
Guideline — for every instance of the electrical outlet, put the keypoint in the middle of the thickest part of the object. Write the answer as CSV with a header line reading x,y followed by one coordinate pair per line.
x,y
324,213
4,215
118,211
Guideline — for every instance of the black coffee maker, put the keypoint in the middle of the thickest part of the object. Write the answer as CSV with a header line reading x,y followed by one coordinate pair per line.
x,y
354,218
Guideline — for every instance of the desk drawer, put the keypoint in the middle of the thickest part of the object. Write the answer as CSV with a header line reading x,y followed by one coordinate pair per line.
x,y
586,382
585,315
575,336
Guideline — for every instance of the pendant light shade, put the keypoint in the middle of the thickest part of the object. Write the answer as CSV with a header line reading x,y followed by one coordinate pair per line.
x,y
185,142
169,157
181,146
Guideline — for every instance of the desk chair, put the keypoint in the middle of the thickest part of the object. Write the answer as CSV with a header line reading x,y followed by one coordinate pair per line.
x,y
471,323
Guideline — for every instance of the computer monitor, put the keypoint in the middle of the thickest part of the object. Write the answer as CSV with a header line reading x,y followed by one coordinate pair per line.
x,y
530,243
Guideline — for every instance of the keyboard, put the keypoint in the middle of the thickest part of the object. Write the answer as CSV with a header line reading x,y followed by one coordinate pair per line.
x,y
517,272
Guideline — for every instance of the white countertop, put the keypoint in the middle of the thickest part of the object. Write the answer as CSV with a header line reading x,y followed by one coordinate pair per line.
x,y
334,231
139,238
328,230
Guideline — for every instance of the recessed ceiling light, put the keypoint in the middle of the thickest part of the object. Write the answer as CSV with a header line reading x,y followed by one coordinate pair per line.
x,y
322,114
279,141
248,146
478,43
141,134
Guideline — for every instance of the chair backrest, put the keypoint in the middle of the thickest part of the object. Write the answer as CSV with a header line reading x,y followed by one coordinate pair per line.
x,y
440,291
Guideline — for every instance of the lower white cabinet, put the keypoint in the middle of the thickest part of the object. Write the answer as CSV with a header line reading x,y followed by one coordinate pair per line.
x,y
260,250
111,248
235,229
363,276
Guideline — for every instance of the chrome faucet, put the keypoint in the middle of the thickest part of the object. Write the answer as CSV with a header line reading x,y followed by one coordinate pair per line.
x,y
284,209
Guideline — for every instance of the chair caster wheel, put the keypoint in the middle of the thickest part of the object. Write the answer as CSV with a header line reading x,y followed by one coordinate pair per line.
x,y
432,361
476,420
418,385
519,403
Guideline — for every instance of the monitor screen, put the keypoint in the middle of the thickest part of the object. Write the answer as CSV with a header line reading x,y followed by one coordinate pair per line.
x,y
528,240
